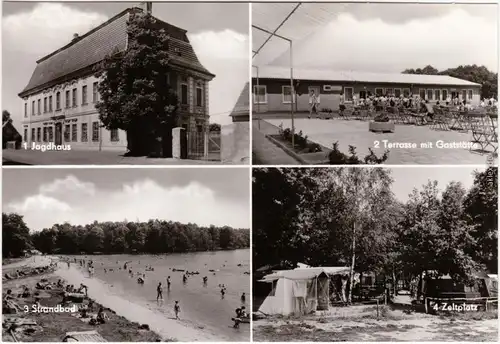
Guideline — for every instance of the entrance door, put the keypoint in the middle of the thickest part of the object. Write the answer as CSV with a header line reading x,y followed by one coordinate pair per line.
x,y
58,134
454,94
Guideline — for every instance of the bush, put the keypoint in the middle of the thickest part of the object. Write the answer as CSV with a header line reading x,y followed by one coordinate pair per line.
x,y
215,127
300,141
336,157
383,117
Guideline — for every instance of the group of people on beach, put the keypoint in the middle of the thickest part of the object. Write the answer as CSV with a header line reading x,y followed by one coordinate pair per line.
x,y
240,312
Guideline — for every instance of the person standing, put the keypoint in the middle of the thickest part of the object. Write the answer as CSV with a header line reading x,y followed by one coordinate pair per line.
x,y
313,103
177,310
341,104
159,292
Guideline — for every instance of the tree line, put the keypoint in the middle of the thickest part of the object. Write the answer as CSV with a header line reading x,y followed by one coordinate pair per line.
x,y
350,217
154,237
474,73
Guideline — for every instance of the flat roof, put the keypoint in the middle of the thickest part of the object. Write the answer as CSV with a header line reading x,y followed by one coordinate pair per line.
x,y
268,72
305,273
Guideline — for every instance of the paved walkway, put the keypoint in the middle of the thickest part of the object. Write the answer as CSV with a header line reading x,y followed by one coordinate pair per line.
x,y
356,133
264,151
88,157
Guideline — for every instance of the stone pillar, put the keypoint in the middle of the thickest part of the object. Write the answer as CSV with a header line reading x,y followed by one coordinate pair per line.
x,y
191,94
176,142
205,143
205,104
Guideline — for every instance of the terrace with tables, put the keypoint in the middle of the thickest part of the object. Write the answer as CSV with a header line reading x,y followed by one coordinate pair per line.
x,y
449,134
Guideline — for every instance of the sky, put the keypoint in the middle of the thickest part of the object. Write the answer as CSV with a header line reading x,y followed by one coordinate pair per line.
x,y
384,38
408,178
205,196
218,32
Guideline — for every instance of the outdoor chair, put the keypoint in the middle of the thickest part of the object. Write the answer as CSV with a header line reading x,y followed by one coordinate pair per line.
x,y
439,121
348,113
484,132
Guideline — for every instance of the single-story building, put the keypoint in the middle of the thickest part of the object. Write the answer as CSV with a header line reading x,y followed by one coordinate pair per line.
x,y
272,89
9,134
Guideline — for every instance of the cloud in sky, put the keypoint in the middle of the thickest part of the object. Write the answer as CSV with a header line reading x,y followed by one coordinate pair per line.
x,y
66,185
455,38
226,54
46,27
79,202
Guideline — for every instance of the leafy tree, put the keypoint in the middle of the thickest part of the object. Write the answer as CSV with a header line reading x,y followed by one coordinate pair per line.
x,y
153,236
428,70
135,93
473,73
6,116
478,74
15,235
276,224
94,237
481,211
215,127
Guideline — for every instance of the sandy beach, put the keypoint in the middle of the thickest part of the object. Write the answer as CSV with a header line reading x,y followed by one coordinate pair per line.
x,y
164,326
166,329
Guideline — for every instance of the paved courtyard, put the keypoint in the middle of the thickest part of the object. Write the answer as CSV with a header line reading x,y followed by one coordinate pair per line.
x,y
87,157
265,152
326,132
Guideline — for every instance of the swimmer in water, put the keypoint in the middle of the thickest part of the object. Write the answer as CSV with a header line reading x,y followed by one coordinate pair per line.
x,y
222,293
168,282
177,310
159,292
243,298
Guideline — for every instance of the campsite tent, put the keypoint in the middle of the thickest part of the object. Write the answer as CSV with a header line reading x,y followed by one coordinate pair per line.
x,y
299,291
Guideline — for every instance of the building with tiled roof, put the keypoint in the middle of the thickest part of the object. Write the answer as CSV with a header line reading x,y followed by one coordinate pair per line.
x,y
272,90
59,99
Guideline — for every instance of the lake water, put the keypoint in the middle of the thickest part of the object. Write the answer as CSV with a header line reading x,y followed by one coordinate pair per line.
x,y
202,306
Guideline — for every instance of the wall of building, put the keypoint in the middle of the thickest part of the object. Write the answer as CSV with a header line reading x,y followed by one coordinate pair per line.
x,y
275,101
194,118
94,139
235,142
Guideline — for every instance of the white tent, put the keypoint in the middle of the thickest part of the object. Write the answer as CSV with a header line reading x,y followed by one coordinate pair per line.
x,y
299,291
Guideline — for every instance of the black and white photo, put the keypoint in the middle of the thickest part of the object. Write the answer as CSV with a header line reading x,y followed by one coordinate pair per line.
x,y
126,255
374,83
363,254
106,83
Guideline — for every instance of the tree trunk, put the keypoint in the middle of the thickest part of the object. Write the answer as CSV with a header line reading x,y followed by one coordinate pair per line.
x,y
419,286
138,141
394,281
167,142
353,261
343,283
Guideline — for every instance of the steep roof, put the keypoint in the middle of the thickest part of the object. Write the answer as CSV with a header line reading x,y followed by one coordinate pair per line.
x,y
93,47
269,72
242,106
